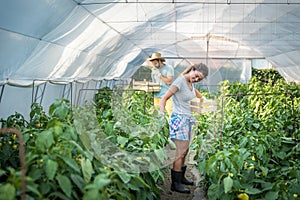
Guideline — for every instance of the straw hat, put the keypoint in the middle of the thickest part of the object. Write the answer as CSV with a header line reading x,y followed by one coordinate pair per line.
x,y
156,56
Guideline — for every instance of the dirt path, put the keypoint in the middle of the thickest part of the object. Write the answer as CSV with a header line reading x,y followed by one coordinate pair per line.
x,y
197,193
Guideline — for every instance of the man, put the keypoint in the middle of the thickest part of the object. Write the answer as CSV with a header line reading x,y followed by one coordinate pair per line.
x,y
163,74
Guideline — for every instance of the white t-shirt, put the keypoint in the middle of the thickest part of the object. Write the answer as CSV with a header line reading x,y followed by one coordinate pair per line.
x,y
181,99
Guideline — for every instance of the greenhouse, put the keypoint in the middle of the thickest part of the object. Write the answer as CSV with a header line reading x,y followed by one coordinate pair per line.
x,y
77,99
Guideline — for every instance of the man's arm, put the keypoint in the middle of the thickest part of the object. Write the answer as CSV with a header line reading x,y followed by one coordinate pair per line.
x,y
167,80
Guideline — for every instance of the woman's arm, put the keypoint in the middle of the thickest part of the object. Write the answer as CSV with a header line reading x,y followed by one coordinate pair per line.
x,y
169,94
198,94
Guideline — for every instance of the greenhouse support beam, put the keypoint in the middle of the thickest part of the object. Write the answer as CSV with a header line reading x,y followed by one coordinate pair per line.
x,y
67,93
1,93
214,58
35,97
228,2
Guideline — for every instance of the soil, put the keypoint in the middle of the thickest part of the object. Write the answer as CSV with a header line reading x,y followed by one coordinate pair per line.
x,y
197,193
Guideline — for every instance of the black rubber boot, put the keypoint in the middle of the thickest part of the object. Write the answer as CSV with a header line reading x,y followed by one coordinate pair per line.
x,y
176,182
183,179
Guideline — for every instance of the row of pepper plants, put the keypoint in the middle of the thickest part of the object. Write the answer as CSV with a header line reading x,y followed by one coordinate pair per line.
x,y
249,148
246,150
64,161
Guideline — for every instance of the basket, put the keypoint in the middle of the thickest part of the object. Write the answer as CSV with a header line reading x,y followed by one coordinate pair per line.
x,y
146,86
203,106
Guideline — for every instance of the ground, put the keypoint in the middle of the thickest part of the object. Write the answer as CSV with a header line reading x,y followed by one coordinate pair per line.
x,y
197,193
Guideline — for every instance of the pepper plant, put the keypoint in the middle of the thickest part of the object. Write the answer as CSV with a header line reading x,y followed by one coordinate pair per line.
x,y
254,152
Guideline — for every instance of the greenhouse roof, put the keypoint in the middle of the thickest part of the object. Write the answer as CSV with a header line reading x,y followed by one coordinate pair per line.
x,y
73,40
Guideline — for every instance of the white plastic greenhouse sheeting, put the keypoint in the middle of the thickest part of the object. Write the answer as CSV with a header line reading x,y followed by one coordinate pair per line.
x,y
82,41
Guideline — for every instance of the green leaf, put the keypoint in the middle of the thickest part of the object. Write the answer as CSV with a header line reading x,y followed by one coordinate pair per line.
x,y
44,188
271,195
87,153
65,184
32,189
139,180
44,141
51,168
91,195
71,163
61,112
264,170
153,167
58,130
125,177
213,192
122,140
30,158
281,155
35,174
2,172
87,169
133,187
260,150
99,183
211,165
71,131
7,192
228,182
243,142
171,144
78,181
252,191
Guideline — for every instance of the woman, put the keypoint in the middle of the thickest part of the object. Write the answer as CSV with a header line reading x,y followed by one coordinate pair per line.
x,y
182,92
